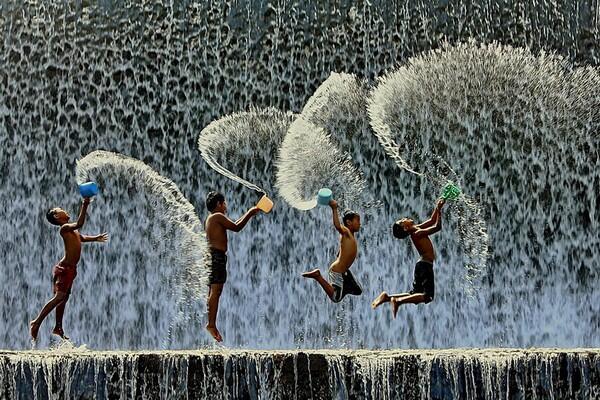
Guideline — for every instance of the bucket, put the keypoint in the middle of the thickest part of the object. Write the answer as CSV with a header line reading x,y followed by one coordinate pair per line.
x,y
265,204
324,196
450,192
88,189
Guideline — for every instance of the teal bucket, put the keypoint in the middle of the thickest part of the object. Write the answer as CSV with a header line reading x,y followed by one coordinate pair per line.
x,y
324,196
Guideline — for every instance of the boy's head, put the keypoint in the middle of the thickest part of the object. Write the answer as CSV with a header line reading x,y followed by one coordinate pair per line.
x,y
215,202
351,220
57,216
402,228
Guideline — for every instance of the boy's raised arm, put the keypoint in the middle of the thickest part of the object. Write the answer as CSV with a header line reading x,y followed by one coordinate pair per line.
x,y
80,220
436,224
435,215
336,218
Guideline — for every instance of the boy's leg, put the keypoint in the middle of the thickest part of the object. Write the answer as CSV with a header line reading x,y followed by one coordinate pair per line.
x,y
414,298
384,298
214,293
60,311
316,275
34,325
379,300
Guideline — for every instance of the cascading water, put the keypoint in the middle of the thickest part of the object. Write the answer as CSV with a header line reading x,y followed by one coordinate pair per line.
x,y
424,375
517,126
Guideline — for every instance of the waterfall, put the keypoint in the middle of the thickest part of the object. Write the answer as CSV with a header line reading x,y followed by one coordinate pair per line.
x,y
516,120
337,374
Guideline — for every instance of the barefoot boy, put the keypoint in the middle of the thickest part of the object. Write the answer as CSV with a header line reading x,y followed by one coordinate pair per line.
x,y
216,225
342,281
65,271
423,289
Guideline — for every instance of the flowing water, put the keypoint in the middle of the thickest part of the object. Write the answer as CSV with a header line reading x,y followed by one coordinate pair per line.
x,y
517,125
442,374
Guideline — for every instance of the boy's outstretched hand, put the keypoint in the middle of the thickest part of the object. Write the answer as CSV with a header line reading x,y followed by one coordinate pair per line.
x,y
254,210
103,237
333,203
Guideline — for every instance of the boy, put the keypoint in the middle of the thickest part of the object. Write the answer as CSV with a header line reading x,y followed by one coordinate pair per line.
x,y
216,225
342,281
65,271
423,289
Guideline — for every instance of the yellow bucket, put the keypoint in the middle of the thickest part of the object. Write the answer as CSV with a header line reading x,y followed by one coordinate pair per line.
x,y
265,204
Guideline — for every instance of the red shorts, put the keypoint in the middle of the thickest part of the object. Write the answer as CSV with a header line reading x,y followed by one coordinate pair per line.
x,y
63,275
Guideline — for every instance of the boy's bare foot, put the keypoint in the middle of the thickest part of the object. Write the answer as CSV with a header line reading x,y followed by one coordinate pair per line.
x,y
382,298
33,330
214,332
395,305
59,332
312,274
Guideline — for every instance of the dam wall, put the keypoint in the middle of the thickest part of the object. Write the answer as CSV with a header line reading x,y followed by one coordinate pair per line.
x,y
340,374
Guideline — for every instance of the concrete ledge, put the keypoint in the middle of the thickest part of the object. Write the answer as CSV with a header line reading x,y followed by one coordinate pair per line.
x,y
327,374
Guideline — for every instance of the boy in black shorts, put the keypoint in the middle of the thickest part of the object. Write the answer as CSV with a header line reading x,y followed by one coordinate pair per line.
x,y
216,225
423,289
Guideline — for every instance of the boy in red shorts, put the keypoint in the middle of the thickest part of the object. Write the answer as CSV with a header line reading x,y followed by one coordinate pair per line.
x,y
65,271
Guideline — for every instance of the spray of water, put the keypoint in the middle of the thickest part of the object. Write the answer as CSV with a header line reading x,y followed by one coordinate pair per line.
x,y
386,110
243,137
311,156
173,231
489,93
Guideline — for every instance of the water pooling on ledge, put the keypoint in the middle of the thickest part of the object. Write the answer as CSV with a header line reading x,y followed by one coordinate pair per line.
x,y
389,374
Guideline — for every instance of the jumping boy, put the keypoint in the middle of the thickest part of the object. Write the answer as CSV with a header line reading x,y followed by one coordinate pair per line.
x,y
423,289
342,281
216,225
65,271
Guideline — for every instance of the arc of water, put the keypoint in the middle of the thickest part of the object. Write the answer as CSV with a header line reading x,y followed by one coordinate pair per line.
x,y
471,220
259,128
193,277
309,159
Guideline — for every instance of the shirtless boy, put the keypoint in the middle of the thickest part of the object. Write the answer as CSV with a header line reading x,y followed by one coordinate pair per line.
x,y
423,289
216,225
65,271
341,280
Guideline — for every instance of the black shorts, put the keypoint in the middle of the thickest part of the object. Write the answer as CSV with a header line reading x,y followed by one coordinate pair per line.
x,y
217,266
343,284
423,282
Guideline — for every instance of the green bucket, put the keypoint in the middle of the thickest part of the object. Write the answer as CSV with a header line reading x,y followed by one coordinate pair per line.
x,y
450,192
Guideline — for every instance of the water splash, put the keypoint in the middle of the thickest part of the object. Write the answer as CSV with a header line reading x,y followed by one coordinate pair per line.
x,y
245,136
172,230
310,158
496,94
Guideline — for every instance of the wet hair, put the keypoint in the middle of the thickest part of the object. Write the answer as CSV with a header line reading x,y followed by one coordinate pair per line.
x,y
212,199
51,217
398,231
349,215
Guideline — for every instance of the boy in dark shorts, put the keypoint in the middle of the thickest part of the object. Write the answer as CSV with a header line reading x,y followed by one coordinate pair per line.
x,y
216,225
423,290
65,271
342,281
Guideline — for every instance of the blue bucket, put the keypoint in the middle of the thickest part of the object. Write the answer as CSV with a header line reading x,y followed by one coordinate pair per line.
x,y
324,196
88,189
